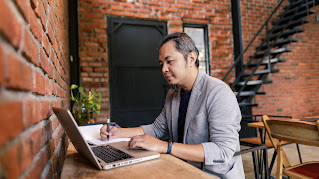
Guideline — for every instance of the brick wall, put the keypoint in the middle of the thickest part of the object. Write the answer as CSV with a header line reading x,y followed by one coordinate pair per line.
x,y
93,33
217,15
34,77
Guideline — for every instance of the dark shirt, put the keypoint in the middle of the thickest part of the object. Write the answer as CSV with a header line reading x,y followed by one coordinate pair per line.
x,y
182,113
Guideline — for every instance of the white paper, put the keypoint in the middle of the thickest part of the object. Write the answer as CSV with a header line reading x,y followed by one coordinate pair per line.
x,y
90,131
91,134
101,142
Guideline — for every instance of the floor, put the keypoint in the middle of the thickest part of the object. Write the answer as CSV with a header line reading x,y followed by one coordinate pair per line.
x,y
308,154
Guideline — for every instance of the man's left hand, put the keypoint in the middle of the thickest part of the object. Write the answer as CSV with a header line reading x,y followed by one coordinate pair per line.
x,y
148,142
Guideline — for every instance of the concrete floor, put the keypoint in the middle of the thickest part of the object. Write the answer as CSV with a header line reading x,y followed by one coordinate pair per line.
x,y
308,153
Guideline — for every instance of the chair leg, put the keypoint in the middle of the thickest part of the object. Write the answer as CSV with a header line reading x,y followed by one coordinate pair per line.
x,y
272,161
255,165
279,162
266,163
299,153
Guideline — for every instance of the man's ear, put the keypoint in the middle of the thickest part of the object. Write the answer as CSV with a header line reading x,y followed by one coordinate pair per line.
x,y
192,58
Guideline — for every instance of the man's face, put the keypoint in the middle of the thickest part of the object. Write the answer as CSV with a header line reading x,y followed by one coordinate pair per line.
x,y
174,66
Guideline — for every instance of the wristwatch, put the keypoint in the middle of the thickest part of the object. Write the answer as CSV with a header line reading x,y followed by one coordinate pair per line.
x,y
169,148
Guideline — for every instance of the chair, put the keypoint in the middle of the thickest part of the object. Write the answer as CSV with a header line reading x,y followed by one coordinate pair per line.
x,y
263,139
293,131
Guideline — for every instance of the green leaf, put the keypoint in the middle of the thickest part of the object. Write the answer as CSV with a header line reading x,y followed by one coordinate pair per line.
x,y
93,92
73,86
99,95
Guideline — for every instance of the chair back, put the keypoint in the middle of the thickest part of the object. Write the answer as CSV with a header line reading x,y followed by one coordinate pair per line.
x,y
294,131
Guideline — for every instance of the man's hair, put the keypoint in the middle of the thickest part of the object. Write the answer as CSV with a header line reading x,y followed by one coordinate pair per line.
x,y
183,44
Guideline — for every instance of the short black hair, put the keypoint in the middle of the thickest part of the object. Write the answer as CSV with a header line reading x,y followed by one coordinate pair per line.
x,y
183,44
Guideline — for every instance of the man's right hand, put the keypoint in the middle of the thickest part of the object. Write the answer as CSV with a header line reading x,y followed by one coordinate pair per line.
x,y
113,133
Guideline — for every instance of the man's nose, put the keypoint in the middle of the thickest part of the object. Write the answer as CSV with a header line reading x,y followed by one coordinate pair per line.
x,y
164,68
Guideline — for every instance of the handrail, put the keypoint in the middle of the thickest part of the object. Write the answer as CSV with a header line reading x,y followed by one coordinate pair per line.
x,y
249,44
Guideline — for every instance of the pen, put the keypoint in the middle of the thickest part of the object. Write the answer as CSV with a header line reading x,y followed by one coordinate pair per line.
x,y
108,126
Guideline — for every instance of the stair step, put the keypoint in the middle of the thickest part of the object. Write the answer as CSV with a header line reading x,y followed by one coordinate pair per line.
x,y
297,8
284,34
251,83
295,17
254,82
261,72
293,4
290,25
279,43
297,3
247,104
272,52
246,93
265,62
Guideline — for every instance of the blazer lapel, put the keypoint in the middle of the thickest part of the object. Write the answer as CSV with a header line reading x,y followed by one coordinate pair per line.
x,y
196,92
175,109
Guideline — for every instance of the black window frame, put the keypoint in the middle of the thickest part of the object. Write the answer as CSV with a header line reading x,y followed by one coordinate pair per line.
x,y
207,57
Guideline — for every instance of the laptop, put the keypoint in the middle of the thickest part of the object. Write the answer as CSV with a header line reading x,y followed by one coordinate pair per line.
x,y
103,157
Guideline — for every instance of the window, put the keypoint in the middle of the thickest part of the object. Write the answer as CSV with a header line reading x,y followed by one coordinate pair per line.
x,y
200,36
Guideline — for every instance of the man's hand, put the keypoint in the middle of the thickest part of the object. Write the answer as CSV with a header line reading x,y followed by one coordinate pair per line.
x,y
148,142
113,133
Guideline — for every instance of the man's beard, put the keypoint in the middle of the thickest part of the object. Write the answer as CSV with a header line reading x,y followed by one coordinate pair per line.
x,y
175,87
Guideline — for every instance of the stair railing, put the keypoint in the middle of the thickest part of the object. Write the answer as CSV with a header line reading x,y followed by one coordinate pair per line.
x,y
249,44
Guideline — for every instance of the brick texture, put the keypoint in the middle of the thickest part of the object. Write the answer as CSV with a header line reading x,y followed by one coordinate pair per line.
x,y
34,77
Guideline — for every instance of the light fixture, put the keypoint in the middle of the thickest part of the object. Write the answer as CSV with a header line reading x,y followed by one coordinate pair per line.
x,y
317,18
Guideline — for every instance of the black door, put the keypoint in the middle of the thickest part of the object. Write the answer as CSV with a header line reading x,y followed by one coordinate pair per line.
x,y
137,87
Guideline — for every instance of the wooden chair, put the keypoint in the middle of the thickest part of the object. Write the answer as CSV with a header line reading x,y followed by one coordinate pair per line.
x,y
293,131
263,139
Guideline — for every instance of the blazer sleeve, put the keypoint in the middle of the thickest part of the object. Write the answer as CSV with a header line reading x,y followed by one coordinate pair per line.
x,y
224,118
159,127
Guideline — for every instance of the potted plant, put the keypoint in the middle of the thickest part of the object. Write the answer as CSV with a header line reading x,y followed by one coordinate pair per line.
x,y
85,105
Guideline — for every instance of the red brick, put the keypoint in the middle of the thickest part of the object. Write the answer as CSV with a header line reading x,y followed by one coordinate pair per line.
x,y
40,12
35,25
11,113
26,147
46,44
30,49
14,80
1,66
32,111
10,162
48,86
46,64
27,77
39,83
10,27
39,164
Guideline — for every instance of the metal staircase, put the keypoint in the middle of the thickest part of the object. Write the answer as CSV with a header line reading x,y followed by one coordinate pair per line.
x,y
256,70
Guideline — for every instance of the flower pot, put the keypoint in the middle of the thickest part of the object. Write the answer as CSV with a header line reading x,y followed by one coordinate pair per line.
x,y
81,113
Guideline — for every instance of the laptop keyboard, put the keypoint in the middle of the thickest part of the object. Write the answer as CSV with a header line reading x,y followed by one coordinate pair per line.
x,y
110,154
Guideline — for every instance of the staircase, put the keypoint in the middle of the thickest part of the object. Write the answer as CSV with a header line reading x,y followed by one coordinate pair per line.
x,y
255,72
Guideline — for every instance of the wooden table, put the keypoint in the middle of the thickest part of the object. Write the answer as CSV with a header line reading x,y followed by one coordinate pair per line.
x,y
167,166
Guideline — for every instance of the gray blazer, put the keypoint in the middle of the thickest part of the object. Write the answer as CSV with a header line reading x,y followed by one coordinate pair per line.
x,y
213,120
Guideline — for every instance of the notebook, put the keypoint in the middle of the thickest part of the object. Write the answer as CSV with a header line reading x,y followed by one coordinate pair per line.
x,y
104,156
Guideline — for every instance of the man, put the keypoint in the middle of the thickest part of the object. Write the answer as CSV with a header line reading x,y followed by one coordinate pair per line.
x,y
201,115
